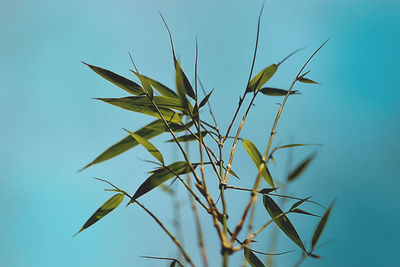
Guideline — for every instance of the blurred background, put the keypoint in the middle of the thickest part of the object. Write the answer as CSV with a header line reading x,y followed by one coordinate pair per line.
x,y
50,126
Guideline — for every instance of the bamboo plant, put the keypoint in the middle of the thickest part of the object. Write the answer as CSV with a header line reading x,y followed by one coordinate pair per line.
x,y
177,115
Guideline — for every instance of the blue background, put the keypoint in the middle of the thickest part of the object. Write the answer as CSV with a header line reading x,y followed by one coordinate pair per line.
x,y
50,126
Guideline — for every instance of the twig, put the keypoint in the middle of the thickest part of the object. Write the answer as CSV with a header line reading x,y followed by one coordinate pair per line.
x,y
253,197
177,243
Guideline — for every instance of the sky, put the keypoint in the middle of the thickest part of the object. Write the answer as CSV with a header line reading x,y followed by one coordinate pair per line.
x,y
51,126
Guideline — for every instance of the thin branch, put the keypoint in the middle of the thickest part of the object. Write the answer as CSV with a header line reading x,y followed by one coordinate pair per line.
x,y
177,243
251,73
253,197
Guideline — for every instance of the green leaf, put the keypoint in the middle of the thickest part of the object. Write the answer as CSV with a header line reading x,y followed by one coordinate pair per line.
x,y
149,146
130,103
122,82
188,137
205,99
252,259
300,168
303,212
298,203
160,176
321,226
149,131
261,78
257,159
276,91
183,85
283,221
146,85
295,145
305,80
106,208
161,88
267,190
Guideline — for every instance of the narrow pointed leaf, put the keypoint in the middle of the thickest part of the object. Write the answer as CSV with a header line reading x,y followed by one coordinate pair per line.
x,y
106,208
122,82
257,159
146,85
182,83
205,99
161,101
267,190
295,145
252,259
321,226
160,176
149,146
300,168
283,221
305,80
188,137
298,203
129,103
276,91
151,130
297,210
261,78
161,88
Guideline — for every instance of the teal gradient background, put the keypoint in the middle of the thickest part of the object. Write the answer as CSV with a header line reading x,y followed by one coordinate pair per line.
x,y
50,126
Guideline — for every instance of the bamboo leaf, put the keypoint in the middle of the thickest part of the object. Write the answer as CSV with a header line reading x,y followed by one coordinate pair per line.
x,y
300,168
303,212
257,159
252,259
182,83
276,91
283,221
149,146
149,131
188,137
321,226
305,80
129,103
146,85
122,82
298,203
161,175
161,88
295,145
205,99
106,208
267,190
261,78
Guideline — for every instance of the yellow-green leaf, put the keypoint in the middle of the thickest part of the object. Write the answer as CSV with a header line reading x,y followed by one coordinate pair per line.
x,y
149,131
161,88
282,221
261,78
321,226
106,208
257,159
276,91
183,85
146,85
122,82
160,176
149,146
205,99
252,259
305,80
300,168
129,103
188,137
